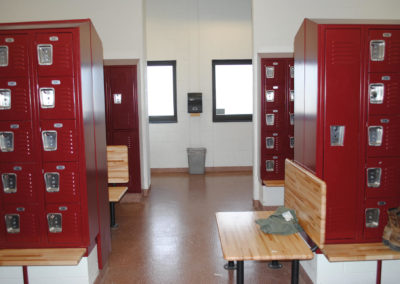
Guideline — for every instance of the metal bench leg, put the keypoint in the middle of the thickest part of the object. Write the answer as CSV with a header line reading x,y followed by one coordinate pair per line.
x,y
240,272
275,265
295,271
230,265
112,216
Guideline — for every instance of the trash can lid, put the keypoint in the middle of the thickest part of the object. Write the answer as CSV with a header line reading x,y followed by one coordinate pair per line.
x,y
201,149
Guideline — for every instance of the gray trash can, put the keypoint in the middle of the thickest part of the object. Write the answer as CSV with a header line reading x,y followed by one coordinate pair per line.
x,y
196,160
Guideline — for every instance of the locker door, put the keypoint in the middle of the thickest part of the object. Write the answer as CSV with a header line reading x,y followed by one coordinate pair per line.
x,y
275,71
382,177
383,136
383,93
54,54
273,167
384,50
56,98
63,223
22,226
274,96
15,103
341,135
61,182
13,55
375,217
16,141
274,120
19,182
273,144
59,140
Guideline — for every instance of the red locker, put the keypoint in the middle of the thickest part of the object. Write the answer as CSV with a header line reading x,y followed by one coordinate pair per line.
x,y
61,182
20,221
20,183
274,70
63,223
274,96
56,98
54,54
59,140
274,120
16,141
15,103
347,119
383,93
273,143
384,50
273,167
13,55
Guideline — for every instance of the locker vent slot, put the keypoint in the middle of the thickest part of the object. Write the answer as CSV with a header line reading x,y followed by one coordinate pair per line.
x,y
54,221
269,142
5,99
12,223
377,50
292,95
270,119
47,97
270,71
52,181
372,217
376,93
291,142
45,54
374,177
7,141
49,139
270,96
375,134
3,55
269,165
9,181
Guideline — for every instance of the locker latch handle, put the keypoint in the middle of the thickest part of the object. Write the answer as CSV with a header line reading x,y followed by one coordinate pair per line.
x,y
337,135
117,99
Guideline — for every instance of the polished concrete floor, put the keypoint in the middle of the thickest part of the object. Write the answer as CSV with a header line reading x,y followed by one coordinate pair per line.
x,y
171,235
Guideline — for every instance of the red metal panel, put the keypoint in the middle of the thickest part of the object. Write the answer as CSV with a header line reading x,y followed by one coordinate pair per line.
x,y
274,120
29,225
389,145
374,233
388,183
22,141
342,108
64,99
71,227
19,103
17,49
390,101
275,70
273,143
66,146
68,189
290,74
390,60
278,163
26,186
60,59
275,96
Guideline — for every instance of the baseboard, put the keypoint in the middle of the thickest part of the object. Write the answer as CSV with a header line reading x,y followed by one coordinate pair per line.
x,y
257,205
207,169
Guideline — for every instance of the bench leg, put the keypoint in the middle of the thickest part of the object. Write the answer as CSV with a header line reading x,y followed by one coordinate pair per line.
x,y
295,271
112,216
275,265
240,272
230,265
25,274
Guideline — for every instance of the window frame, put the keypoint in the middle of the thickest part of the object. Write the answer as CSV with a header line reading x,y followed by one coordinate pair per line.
x,y
166,118
228,117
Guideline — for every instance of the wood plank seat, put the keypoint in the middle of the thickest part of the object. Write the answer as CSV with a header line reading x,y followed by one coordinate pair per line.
x,y
45,256
118,173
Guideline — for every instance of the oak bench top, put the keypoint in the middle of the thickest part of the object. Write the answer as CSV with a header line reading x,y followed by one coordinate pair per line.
x,y
241,239
115,193
34,257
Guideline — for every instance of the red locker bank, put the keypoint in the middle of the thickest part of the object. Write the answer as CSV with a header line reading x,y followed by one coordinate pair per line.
x,y
277,103
52,137
347,121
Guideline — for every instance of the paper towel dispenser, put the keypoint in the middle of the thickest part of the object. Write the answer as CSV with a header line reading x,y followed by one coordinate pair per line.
x,y
195,103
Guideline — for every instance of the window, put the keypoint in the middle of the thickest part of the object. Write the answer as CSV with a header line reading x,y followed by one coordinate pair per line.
x,y
232,90
161,90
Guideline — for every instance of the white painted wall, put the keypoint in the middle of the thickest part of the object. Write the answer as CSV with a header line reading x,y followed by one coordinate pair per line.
x,y
120,24
193,32
275,24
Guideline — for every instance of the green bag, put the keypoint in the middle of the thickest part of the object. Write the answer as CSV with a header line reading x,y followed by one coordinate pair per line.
x,y
282,222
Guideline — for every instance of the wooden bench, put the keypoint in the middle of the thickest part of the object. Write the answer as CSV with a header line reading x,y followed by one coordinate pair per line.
x,y
118,173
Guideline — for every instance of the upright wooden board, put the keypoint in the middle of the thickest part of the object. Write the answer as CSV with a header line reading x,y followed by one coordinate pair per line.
x,y
306,194
117,163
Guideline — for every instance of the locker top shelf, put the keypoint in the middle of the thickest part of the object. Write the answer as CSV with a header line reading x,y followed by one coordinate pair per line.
x,y
354,21
45,24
